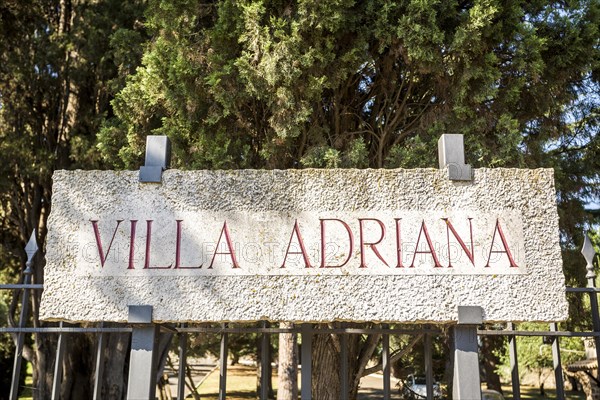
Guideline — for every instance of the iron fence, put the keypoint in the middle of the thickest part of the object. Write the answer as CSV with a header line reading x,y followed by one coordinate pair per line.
x,y
307,331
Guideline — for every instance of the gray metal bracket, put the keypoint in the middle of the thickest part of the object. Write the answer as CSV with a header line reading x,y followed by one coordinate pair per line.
x,y
158,158
451,154
466,382
144,354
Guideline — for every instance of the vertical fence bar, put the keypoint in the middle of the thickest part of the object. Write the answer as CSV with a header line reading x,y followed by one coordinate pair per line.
x,y
514,363
306,354
344,365
30,249
428,366
16,373
265,362
558,375
589,253
595,319
58,365
385,355
224,354
182,344
99,373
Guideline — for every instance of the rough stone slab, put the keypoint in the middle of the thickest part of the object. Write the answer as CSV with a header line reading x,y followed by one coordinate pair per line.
x,y
515,210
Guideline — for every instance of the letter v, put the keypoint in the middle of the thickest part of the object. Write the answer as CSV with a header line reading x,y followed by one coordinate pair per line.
x,y
99,241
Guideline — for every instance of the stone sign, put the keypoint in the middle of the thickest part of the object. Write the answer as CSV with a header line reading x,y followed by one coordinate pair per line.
x,y
304,245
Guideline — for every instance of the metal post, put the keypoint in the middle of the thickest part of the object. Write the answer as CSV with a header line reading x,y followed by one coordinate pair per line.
x,y
223,355
31,248
143,358
58,365
265,362
466,384
514,363
182,344
385,355
158,157
344,365
451,154
99,365
428,366
558,375
306,363
589,253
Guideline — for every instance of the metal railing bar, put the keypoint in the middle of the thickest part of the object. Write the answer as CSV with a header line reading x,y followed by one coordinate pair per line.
x,y
66,330
265,363
344,366
223,356
428,355
385,359
556,365
537,333
99,372
58,365
583,290
12,286
315,331
20,342
318,331
306,362
127,329
514,364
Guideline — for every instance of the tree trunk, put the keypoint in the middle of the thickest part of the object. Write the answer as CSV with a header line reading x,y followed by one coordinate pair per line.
x,y
115,361
325,369
491,360
326,363
77,362
288,364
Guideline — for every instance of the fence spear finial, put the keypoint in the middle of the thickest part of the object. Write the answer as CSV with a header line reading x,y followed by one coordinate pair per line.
x,y
31,248
589,253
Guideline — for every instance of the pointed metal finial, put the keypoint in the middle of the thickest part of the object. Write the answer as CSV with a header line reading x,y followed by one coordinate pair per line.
x,y
31,247
589,253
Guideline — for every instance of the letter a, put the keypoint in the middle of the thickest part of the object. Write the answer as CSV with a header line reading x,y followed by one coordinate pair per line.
x,y
302,248
429,243
504,243
229,245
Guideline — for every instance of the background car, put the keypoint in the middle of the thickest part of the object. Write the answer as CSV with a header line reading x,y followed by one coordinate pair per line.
x,y
487,394
415,387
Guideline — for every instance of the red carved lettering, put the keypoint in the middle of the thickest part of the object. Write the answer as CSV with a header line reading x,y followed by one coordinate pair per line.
x,y
450,228
323,242
302,248
99,241
399,243
132,244
363,263
178,248
506,250
429,243
148,243
229,245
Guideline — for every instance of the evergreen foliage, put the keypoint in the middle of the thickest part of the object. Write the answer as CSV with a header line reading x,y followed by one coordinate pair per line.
x,y
295,84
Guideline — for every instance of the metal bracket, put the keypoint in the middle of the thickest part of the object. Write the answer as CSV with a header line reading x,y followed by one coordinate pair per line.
x,y
140,315
470,315
158,158
451,153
